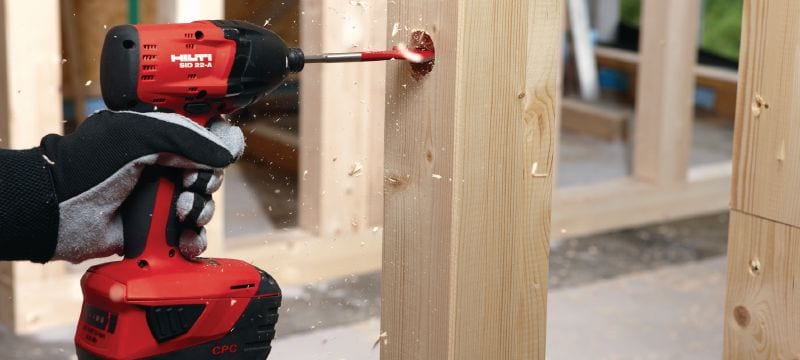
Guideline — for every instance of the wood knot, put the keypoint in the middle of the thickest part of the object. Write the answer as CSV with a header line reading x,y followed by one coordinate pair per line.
x,y
741,315
755,267
521,95
429,156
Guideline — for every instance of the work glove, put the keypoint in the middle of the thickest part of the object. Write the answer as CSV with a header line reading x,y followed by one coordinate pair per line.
x,y
95,168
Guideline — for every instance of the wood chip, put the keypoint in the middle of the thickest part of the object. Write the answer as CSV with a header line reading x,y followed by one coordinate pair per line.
x,y
355,169
535,167
436,176
382,338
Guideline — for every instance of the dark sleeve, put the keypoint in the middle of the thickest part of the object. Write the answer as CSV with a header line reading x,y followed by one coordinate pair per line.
x,y
28,207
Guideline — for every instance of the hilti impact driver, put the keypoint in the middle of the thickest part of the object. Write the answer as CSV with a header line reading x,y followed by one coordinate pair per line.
x,y
154,303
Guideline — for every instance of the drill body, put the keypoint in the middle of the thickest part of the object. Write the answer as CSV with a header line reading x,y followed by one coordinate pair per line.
x,y
155,304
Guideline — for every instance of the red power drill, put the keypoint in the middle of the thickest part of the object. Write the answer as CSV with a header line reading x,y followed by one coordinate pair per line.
x,y
155,304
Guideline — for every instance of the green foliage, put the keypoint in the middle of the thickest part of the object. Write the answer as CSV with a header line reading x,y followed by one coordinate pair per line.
x,y
722,21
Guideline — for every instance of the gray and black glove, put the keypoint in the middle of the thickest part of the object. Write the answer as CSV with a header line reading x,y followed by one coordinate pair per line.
x,y
60,201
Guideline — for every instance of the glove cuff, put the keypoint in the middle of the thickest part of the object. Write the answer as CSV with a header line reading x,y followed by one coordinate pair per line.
x,y
29,209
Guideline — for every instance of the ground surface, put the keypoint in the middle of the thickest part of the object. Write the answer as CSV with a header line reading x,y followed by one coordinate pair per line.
x,y
649,293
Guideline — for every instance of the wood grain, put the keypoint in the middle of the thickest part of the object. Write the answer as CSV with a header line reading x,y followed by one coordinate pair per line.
x,y
466,223
762,312
767,133
340,106
665,91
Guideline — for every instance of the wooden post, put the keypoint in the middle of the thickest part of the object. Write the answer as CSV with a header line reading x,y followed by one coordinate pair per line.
x,y
762,310
469,157
665,90
341,105
30,107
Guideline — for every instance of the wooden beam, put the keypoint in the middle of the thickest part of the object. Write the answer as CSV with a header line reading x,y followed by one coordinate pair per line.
x,y
469,155
767,146
665,90
182,11
595,119
624,203
340,104
761,312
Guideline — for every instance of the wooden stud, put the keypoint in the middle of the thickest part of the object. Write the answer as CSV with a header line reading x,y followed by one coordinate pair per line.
x,y
767,147
761,312
665,92
340,104
763,302
595,119
469,158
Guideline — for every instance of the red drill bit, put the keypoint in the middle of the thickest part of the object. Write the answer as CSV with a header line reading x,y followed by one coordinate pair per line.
x,y
397,52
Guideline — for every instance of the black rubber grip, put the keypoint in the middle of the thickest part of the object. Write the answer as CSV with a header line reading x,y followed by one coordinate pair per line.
x,y
137,210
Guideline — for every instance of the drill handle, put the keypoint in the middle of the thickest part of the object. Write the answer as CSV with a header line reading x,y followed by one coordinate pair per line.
x,y
151,228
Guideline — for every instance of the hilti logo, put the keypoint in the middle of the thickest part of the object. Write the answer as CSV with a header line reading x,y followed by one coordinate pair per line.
x,y
224,349
190,57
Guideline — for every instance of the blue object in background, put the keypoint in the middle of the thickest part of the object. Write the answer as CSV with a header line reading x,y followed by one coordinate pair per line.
x,y
611,79
91,105
705,98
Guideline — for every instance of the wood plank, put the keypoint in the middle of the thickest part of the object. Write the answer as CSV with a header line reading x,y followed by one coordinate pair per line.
x,y
466,223
665,96
763,302
339,106
767,134
595,119
620,204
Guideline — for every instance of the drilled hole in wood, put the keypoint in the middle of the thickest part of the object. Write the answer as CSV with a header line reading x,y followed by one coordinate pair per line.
x,y
420,40
755,267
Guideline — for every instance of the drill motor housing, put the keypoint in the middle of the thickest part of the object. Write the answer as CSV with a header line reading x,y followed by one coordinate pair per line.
x,y
155,304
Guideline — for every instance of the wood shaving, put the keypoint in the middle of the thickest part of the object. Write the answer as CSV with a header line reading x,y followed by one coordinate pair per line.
x,y
408,54
535,167
436,176
382,338
87,83
355,169
395,29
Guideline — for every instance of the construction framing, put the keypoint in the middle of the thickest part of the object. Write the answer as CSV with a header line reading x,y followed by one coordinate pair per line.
x,y
453,166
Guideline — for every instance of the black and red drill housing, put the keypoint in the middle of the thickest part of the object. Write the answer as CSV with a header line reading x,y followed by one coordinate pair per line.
x,y
155,304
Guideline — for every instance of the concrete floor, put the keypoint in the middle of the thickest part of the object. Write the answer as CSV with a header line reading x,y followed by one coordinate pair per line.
x,y
650,293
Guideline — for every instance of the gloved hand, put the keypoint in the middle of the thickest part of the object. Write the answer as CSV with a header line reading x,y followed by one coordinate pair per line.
x,y
95,168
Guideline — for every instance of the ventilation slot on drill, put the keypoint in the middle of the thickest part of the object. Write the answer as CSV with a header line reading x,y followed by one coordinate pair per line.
x,y
190,46
192,76
148,57
188,35
242,286
148,77
149,67
159,100
150,46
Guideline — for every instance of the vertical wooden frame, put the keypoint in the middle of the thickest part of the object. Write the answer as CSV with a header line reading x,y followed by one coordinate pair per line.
x,y
341,113
662,134
469,155
761,312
